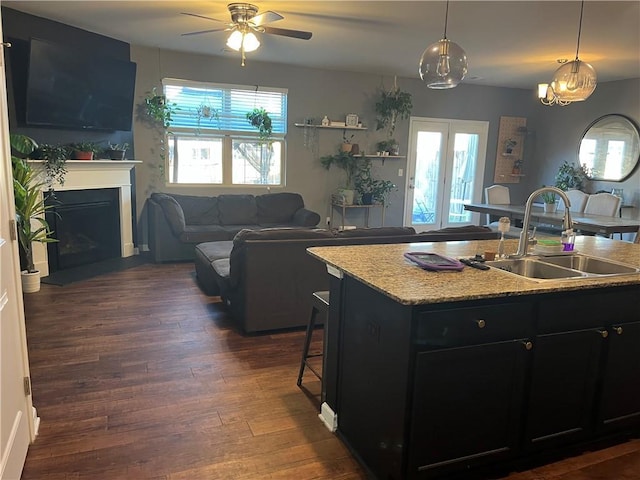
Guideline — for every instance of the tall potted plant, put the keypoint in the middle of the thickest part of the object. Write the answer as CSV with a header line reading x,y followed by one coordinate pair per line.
x,y
347,162
30,209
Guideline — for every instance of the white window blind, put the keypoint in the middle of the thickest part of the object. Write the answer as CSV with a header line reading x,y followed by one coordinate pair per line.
x,y
231,103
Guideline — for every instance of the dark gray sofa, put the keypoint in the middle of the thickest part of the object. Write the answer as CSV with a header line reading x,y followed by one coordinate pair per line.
x,y
177,223
266,277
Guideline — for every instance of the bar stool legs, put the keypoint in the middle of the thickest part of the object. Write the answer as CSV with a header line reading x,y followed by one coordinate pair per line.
x,y
320,305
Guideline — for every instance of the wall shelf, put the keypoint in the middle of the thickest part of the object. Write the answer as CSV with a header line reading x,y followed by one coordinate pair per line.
x,y
334,127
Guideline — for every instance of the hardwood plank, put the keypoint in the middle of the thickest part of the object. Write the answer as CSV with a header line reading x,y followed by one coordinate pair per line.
x,y
138,375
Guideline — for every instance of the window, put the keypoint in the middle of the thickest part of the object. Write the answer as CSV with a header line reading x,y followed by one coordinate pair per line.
x,y
211,140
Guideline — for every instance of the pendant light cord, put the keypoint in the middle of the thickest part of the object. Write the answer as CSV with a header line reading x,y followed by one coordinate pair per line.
x,y
446,19
579,29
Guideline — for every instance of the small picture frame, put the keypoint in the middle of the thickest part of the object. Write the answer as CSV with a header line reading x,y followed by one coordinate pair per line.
x,y
351,120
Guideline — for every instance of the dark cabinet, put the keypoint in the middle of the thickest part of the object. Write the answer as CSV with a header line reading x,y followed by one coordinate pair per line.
x,y
562,387
620,398
467,406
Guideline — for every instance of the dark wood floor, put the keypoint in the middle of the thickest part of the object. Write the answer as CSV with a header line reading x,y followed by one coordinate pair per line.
x,y
138,375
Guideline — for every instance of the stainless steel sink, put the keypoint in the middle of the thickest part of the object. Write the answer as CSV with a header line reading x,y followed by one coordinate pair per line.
x,y
595,265
565,267
535,269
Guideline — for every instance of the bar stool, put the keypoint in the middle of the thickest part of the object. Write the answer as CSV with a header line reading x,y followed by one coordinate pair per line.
x,y
320,304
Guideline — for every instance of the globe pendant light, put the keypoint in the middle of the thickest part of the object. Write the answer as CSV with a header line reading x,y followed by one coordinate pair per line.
x,y
574,81
444,63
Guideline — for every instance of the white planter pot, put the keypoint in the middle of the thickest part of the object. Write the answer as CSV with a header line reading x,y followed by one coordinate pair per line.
x,y
550,207
30,282
348,195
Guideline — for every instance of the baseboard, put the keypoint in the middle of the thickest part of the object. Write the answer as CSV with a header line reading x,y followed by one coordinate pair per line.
x,y
328,417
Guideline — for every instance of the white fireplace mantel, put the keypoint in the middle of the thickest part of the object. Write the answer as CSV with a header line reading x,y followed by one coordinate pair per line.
x,y
93,174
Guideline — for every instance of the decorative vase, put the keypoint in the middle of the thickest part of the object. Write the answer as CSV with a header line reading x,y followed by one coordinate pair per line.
x,y
30,281
346,147
550,207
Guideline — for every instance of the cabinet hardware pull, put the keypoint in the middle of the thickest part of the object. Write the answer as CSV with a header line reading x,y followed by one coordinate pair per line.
x,y
618,330
527,345
603,333
481,323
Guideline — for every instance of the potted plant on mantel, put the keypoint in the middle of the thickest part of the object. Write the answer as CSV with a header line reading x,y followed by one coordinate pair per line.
x,y
117,151
30,209
84,150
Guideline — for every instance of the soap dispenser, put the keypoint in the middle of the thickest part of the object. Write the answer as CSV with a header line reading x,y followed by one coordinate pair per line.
x,y
504,225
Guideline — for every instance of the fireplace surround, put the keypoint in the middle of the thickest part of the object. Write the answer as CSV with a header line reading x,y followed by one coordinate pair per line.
x,y
96,175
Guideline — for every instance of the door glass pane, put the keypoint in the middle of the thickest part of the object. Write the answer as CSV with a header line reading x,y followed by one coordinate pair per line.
x,y
425,194
462,175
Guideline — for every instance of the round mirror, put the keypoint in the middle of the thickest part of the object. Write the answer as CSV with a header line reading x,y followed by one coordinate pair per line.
x,y
610,148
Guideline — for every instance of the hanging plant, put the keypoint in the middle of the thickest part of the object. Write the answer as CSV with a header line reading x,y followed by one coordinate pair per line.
x,y
206,112
392,106
260,119
158,109
54,158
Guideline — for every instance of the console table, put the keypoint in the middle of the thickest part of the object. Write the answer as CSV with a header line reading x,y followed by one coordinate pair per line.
x,y
337,204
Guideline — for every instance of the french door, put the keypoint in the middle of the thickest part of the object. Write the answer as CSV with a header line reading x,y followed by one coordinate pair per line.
x,y
445,170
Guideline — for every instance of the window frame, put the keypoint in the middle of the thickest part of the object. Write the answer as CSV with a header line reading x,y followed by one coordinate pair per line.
x,y
227,135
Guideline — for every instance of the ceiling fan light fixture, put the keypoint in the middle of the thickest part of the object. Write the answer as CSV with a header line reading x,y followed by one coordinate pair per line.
x,y
237,40
444,63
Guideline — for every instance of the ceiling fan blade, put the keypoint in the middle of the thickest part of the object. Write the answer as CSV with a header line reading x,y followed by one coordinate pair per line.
x,y
288,33
266,17
203,31
202,16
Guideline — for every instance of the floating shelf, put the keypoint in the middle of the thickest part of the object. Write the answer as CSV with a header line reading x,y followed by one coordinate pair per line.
x,y
335,127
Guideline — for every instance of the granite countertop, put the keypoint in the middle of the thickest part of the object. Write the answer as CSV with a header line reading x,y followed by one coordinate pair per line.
x,y
384,268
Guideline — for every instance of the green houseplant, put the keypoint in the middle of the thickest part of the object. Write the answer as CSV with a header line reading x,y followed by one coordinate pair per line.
x,y
30,208
347,162
571,176
370,189
84,150
54,159
116,151
391,106
260,119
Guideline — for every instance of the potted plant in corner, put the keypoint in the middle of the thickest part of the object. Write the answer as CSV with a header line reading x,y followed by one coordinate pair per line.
x,y
571,176
371,190
30,209
350,165
117,151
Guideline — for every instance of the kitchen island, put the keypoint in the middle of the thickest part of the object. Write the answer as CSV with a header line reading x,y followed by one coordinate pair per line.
x,y
432,373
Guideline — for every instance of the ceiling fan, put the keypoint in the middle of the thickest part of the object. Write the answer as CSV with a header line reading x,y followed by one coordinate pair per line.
x,y
244,22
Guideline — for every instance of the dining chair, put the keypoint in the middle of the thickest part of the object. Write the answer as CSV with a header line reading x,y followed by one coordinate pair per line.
x,y
602,204
499,195
578,200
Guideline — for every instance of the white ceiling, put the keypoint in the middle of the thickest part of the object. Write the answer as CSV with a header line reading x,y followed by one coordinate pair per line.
x,y
508,43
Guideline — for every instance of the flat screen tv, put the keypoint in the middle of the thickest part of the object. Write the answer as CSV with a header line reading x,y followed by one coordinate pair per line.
x,y
67,89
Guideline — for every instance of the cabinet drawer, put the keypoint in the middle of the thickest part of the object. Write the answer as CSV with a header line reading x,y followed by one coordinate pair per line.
x,y
474,325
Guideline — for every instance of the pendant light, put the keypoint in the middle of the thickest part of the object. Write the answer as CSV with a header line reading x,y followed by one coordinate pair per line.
x,y
574,81
444,63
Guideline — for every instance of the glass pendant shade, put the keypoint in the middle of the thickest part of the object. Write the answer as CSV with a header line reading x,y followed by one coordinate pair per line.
x,y
237,38
443,65
574,81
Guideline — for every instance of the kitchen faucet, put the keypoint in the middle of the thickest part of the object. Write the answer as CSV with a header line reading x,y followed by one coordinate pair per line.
x,y
523,244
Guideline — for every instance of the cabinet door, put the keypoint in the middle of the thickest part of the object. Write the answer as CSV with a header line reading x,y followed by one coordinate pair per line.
x,y
466,406
563,380
620,401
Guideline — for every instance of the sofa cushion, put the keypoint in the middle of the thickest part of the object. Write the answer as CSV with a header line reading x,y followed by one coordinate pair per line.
x,y
205,233
281,234
237,210
198,210
221,267
215,250
376,232
172,211
278,207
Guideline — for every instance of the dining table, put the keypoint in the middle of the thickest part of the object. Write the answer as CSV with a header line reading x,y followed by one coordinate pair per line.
x,y
583,222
